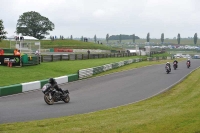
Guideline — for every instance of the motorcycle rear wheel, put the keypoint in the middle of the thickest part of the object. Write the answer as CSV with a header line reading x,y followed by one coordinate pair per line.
x,y
66,99
48,100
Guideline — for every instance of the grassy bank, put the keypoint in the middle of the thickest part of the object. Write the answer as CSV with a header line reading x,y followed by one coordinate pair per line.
x,y
175,111
71,44
51,69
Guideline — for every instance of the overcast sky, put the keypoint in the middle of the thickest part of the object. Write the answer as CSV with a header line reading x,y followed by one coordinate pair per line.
x,y
89,17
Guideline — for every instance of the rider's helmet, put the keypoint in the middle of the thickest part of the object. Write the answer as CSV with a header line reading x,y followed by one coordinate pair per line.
x,y
167,62
188,59
51,80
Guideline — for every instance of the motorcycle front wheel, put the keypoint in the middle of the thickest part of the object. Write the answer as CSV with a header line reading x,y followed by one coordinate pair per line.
x,y
48,99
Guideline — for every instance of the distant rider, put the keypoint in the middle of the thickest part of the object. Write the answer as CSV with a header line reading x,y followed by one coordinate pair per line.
x,y
188,61
175,61
168,64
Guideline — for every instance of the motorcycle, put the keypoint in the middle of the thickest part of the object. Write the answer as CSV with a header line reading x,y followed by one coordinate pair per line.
x,y
175,65
188,64
167,69
52,95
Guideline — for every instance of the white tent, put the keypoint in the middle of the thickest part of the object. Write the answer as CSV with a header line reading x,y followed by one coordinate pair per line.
x,y
29,38
25,37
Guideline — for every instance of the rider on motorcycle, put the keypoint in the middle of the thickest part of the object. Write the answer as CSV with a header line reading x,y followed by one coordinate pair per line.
x,y
54,84
175,61
168,64
188,61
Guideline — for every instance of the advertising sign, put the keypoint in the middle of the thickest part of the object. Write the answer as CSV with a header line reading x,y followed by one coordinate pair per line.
x,y
4,59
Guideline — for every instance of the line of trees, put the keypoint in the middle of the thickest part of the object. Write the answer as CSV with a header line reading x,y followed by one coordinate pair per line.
x,y
178,38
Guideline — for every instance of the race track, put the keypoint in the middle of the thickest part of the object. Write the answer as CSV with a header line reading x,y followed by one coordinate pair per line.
x,y
94,94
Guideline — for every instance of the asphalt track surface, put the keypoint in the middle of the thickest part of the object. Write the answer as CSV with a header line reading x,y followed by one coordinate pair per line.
x,y
94,94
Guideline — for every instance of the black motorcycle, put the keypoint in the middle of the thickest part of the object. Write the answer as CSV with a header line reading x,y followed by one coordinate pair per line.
x,y
175,65
52,95
188,64
167,69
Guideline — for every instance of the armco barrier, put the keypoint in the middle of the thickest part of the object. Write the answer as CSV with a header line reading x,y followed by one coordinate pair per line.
x,y
23,87
63,79
43,82
11,89
72,77
30,86
85,73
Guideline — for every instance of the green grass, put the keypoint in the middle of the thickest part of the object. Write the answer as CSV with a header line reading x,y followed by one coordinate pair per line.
x,y
51,69
175,111
4,44
71,44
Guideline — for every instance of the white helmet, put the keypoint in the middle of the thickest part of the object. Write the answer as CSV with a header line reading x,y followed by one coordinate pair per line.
x,y
167,62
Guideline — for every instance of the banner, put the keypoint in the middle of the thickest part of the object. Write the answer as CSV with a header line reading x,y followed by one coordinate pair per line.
x,y
62,50
4,59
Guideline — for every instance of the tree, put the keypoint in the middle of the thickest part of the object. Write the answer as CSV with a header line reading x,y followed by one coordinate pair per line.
x,y
162,38
178,38
71,37
107,38
195,38
2,32
148,37
95,38
82,38
33,24
120,38
133,38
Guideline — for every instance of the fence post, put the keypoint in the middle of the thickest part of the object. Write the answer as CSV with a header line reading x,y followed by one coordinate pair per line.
x,y
41,58
60,56
75,56
52,58
68,56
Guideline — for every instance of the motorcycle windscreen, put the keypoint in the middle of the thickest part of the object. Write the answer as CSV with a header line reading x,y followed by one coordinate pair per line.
x,y
45,87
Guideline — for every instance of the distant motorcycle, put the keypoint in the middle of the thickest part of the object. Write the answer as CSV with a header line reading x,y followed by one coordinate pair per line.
x,y
188,64
52,95
175,65
167,69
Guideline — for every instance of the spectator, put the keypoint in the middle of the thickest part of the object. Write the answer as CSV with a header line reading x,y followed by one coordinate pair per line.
x,y
88,52
37,52
1,52
16,52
